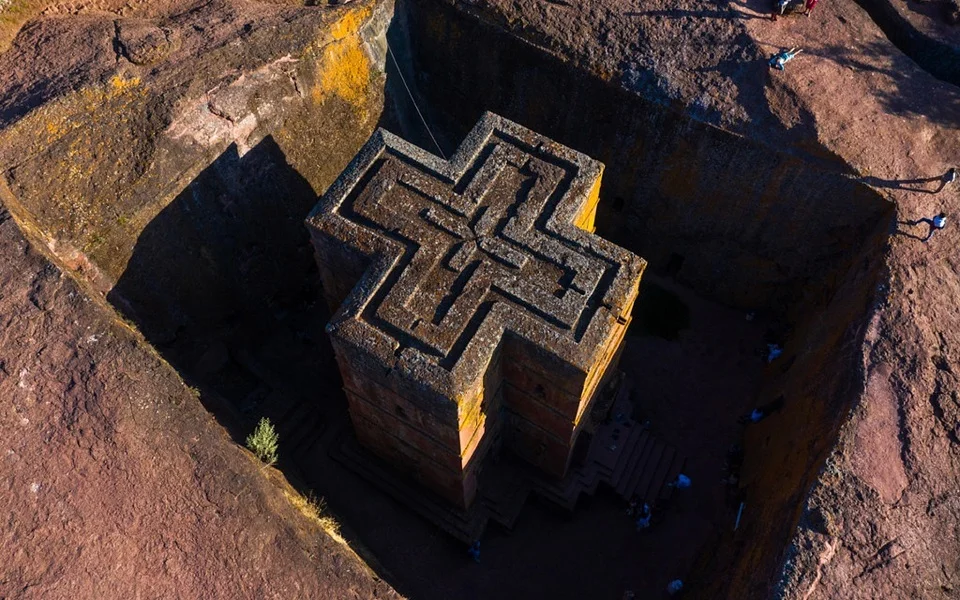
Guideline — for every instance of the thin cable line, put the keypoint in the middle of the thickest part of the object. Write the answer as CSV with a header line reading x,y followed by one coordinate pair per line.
x,y
409,93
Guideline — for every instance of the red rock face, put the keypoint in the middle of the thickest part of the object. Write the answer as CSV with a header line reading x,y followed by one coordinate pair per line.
x,y
876,458
482,309
117,482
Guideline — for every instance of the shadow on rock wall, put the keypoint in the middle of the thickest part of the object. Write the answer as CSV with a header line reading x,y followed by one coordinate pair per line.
x,y
223,283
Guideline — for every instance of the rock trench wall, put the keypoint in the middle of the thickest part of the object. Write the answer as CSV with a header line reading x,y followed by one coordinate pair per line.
x,y
735,219
820,376
186,151
740,221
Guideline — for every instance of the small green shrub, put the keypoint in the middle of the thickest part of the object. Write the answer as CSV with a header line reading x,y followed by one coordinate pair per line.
x,y
264,441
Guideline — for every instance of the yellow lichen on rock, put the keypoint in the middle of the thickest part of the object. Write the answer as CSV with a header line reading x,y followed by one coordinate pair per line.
x,y
118,85
343,68
350,23
344,71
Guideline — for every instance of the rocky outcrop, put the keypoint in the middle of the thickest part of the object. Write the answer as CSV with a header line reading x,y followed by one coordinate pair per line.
x,y
117,482
121,140
105,126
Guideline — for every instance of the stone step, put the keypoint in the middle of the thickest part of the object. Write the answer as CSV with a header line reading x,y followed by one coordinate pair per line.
x,y
563,494
298,428
506,501
502,513
627,454
647,469
306,436
285,407
640,465
622,485
652,493
463,526
567,501
608,450
591,484
630,487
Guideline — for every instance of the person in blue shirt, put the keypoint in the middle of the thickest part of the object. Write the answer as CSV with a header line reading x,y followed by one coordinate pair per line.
x,y
474,551
774,351
644,518
762,412
778,60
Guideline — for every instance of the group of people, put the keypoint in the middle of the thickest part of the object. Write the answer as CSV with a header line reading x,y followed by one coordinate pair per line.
x,y
644,512
644,520
782,6
780,59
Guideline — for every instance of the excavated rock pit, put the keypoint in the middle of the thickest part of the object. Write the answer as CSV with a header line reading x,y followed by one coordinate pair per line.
x,y
190,217
789,235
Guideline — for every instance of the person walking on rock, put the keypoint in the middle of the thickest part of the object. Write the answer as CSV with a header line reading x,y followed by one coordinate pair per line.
x,y
936,223
778,60
808,7
949,177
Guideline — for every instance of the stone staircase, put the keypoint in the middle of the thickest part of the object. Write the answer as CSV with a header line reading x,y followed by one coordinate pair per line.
x,y
623,455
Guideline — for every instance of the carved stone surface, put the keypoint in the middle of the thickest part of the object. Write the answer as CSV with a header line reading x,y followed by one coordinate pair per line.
x,y
472,299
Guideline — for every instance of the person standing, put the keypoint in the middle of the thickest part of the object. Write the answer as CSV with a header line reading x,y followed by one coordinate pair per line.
x,y
646,516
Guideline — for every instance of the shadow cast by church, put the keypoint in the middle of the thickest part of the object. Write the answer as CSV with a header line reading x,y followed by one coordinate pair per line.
x,y
223,283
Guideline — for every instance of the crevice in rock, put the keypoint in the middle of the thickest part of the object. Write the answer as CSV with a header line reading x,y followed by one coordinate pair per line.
x,y
933,56
118,47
